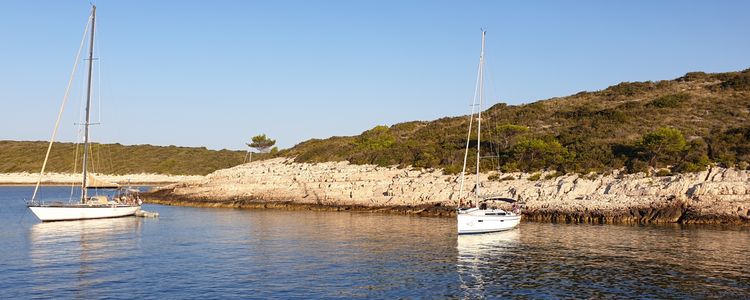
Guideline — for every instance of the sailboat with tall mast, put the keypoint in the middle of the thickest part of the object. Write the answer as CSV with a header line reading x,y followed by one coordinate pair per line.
x,y
475,215
124,202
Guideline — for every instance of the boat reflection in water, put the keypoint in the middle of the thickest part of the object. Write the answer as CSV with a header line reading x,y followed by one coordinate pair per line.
x,y
477,260
87,252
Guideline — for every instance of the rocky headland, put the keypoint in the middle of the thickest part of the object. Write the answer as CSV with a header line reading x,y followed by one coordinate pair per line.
x,y
714,196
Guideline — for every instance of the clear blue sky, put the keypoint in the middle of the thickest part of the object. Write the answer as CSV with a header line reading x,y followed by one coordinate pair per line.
x,y
214,73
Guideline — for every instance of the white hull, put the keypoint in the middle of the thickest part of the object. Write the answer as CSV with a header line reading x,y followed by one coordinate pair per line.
x,y
477,221
82,212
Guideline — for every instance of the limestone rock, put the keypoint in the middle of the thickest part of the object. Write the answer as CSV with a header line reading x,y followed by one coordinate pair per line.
x,y
718,194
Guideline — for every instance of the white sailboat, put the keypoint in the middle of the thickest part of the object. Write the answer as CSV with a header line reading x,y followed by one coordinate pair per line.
x,y
123,202
477,216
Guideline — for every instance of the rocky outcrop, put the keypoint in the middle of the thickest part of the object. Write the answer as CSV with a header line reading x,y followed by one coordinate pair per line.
x,y
714,196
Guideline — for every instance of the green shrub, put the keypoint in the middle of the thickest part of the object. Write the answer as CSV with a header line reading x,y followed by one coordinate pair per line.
x,y
740,82
694,76
695,158
536,153
508,167
689,167
452,169
535,176
507,133
662,145
669,101
730,146
663,172
629,89
377,138
637,166
508,177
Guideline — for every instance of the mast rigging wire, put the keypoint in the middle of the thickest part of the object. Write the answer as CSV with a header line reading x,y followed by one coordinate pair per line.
x,y
62,108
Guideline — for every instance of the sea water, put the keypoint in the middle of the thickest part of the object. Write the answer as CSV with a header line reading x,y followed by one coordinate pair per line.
x,y
199,253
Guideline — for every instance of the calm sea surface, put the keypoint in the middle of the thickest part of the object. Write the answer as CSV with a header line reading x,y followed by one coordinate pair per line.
x,y
225,253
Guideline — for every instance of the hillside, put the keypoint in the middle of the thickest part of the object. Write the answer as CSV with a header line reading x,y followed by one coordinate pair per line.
x,y
117,159
682,124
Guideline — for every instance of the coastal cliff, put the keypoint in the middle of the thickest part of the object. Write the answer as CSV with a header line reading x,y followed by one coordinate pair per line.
x,y
717,195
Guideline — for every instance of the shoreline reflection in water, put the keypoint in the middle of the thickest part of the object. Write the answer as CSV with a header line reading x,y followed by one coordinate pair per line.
x,y
68,256
476,270
231,253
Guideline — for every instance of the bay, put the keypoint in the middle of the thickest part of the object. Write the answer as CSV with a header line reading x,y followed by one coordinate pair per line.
x,y
199,253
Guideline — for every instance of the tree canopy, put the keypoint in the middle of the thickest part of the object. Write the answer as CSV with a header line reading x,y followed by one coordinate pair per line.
x,y
508,132
261,143
664,144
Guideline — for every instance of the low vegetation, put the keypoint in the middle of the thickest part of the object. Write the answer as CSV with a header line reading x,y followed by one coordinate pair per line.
x,y
680,125
673,126
117,159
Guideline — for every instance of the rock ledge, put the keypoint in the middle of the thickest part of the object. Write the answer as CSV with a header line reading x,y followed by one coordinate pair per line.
x,y
717,195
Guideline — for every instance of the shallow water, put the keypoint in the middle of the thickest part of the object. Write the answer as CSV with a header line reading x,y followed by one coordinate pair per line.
x,y
227,253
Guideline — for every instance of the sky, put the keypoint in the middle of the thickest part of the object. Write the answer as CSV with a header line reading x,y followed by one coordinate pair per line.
x,y
215,73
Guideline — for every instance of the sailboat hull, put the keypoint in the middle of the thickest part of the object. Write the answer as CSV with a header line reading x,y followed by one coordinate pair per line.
x,y
478,222
82,212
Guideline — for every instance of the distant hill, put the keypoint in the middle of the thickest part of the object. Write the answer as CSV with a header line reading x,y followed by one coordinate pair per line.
x,y
18,156
684,124
680,125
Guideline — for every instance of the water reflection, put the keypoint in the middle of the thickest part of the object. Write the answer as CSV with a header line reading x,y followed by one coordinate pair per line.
x,y
193,253
332,254
70,256
477,254
589,261
473,245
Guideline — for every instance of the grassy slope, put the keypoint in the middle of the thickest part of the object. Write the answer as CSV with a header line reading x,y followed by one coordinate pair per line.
x,y
117,159
598,130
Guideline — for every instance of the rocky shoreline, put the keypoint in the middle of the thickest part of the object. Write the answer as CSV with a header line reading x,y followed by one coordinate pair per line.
x,y
164,197
715,196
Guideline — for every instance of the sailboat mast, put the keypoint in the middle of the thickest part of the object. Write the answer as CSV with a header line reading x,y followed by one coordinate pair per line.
x,y
88,106
479,113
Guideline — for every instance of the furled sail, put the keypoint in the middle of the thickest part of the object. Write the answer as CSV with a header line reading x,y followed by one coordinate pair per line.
x,y
96,183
